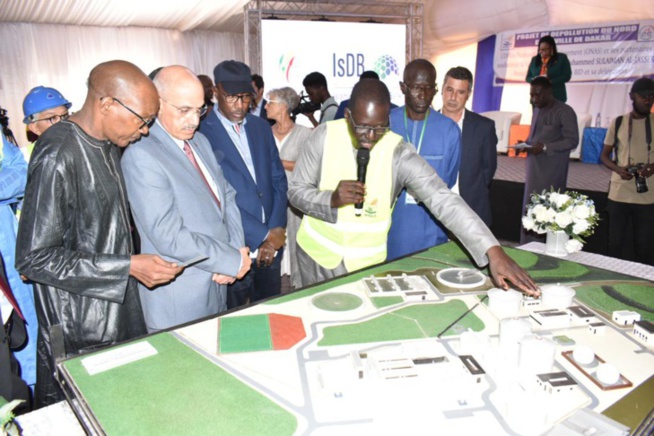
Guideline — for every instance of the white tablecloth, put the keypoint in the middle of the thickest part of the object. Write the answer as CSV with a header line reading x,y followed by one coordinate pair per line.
x,y
55,420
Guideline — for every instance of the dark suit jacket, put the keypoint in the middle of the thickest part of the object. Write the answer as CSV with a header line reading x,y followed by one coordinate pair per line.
x,y
270,190
264,112
478,163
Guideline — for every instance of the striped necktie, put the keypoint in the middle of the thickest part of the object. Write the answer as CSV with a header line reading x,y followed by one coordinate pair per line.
x,y
191,157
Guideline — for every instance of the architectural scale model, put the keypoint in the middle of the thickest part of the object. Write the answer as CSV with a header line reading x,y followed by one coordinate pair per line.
x,y
395,351
380,364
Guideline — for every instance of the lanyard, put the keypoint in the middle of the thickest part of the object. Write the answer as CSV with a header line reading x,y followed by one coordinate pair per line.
x,y
422,133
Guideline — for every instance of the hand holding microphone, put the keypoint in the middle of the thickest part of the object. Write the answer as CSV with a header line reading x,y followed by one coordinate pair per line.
x,y
363,157
351,191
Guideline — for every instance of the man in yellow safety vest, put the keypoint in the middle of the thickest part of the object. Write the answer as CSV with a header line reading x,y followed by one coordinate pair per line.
x,y
333,238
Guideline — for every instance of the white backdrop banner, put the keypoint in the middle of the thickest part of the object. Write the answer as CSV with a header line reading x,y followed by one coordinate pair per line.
x,y
341,51
619,52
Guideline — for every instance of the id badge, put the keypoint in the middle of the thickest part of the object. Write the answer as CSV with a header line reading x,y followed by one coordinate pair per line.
x,y
410,199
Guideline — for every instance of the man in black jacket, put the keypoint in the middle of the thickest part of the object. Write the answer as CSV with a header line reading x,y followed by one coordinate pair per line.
x,y
74,237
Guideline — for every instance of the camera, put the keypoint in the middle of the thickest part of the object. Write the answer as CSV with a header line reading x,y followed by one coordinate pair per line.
x,y
304,106
4,126
641,182
4,119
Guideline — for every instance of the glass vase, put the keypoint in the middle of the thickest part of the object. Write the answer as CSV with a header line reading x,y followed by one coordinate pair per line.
x,y
555,243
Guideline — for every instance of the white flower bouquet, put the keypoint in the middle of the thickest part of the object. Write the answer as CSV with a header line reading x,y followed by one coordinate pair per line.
x,y
570,212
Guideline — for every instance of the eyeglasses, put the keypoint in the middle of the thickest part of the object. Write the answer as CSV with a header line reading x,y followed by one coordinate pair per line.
x,y
146,122
417,89
54,119
276,101
185,111
365,130
245,98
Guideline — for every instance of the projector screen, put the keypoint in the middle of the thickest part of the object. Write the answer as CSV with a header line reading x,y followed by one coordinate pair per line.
x,y
340,51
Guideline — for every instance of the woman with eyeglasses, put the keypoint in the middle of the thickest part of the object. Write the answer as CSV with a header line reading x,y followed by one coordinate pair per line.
x,y
550,63
290,138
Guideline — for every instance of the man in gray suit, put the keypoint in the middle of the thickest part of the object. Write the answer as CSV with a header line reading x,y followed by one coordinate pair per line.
x,y
183,207
554,133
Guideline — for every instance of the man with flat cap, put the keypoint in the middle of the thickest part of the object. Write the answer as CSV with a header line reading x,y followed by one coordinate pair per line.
x,y
74,239
183,207
246,151
333,239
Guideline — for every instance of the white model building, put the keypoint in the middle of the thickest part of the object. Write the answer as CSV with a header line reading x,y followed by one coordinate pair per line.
x,y
597,328
530,302
556,382
472,367
644,330
625,317
551,318
417,359
410,288
581,315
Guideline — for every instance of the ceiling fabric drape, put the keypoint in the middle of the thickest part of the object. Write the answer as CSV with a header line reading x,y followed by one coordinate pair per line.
x,y
62,56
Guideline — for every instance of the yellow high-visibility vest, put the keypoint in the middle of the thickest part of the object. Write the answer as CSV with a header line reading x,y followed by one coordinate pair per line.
x,y
358,241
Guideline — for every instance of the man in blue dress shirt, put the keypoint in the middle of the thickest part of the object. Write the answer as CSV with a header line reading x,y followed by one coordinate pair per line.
x,y
438,140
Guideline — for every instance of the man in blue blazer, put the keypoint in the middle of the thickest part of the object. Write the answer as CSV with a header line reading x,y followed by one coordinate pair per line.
x,y
183,207
478,143
245,149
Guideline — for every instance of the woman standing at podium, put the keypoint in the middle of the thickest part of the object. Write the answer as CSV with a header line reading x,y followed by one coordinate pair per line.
x,y
551,64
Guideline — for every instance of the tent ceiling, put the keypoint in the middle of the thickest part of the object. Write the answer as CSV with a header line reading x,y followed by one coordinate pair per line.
x,y
182,15
458,22
447,23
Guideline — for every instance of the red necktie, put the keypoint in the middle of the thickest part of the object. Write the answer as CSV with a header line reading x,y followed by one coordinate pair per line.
x,y
191,157
10,296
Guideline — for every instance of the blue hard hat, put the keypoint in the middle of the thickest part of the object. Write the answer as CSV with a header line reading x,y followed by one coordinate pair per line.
x,y
40,99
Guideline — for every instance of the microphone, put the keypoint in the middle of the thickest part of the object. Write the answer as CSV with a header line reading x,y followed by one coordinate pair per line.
x,y
363,157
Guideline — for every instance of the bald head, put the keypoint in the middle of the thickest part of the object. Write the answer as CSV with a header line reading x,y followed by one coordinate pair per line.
x,y
370,91
176,79
419,65
119,79
120,103
182,101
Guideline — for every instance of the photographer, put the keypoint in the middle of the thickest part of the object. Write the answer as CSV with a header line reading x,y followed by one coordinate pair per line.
x,y
315,84
304,106
631,202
